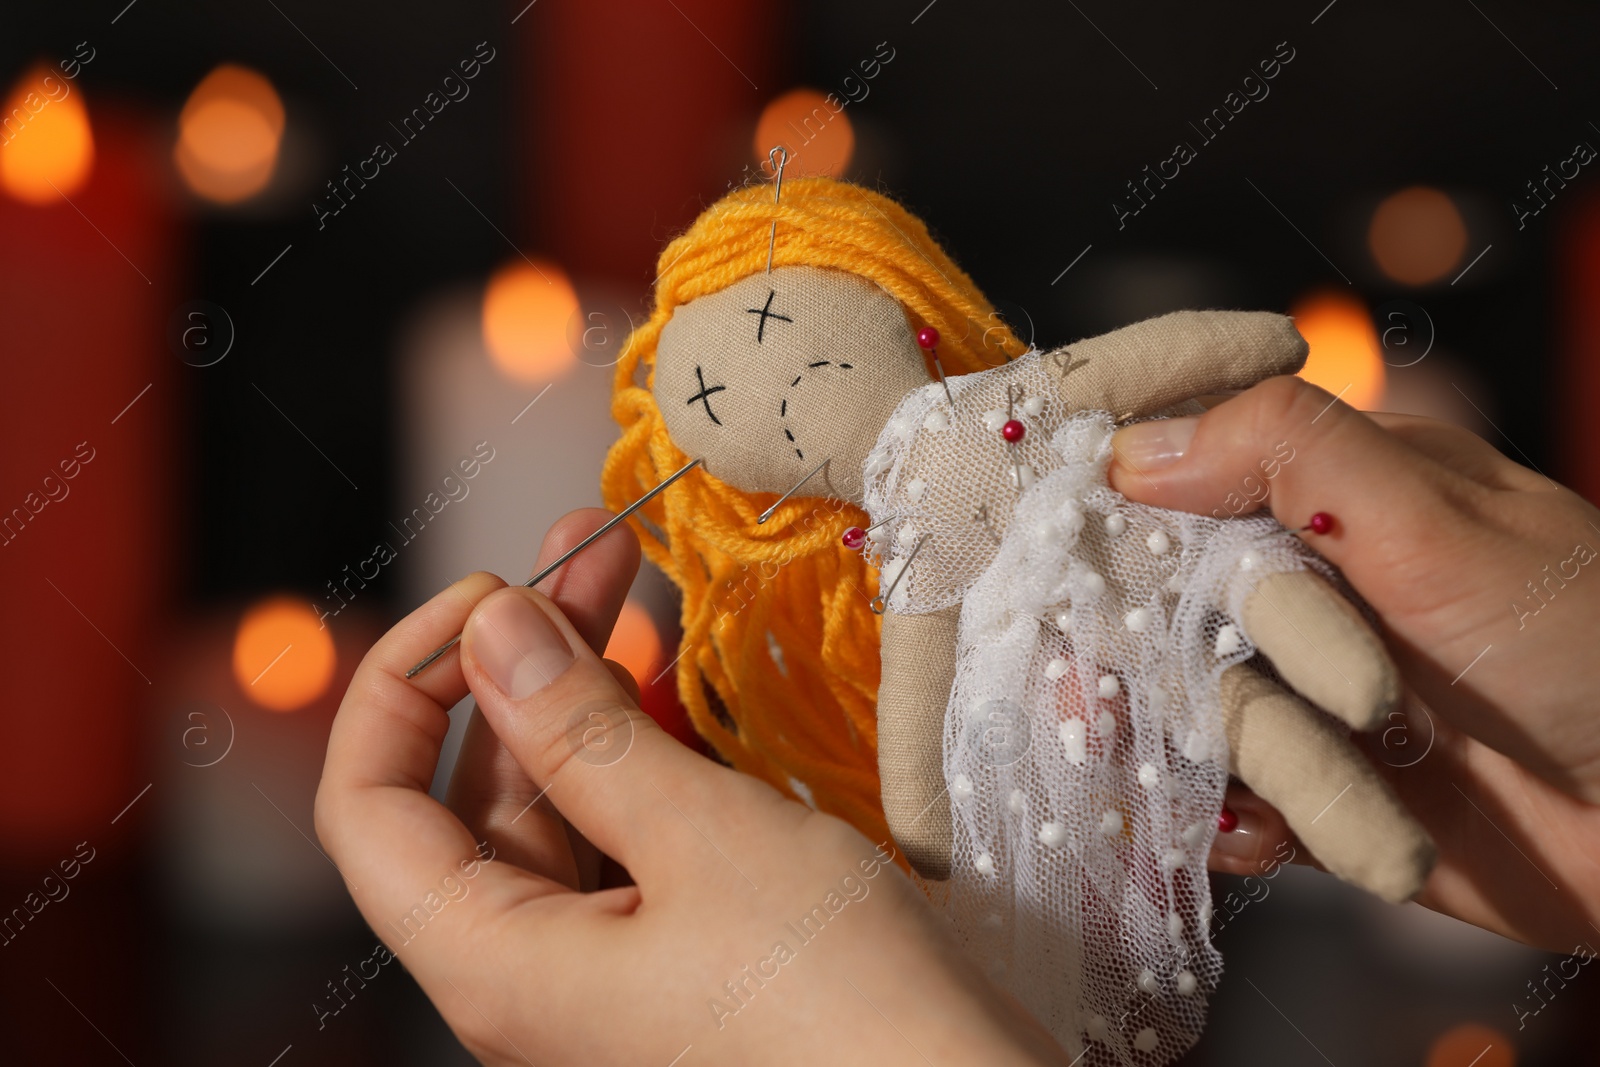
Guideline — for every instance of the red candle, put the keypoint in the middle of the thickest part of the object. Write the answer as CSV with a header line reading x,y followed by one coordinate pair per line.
x,y
625,151
1579,358
86,495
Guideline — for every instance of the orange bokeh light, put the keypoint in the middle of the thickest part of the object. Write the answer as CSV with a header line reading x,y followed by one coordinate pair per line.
x,y
1344,356
526,309
228,134
46,145
283,658
1472,1045
816,133
1417,235
635,643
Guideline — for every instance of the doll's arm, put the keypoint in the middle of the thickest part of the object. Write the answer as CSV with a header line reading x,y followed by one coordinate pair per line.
x,y
1301,763
1158,363
919,667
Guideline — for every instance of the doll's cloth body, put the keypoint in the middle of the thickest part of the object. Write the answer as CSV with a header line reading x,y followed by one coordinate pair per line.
x,y
1084,750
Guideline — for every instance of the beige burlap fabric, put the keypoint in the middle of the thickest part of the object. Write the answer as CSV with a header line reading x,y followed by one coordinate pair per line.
x,y
778,372
919,667
1161,362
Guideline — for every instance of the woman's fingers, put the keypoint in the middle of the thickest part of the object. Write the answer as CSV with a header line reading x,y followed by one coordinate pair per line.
x,y
389,728
492,796
489,791
628,787
405,857
1322,647
591,587
1461,450
1259,840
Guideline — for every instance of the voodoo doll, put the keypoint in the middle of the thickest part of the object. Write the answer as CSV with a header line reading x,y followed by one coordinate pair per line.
x,y
912,599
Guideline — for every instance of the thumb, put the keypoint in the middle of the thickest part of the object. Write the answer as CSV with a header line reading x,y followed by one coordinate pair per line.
x,y
576,733
1296,450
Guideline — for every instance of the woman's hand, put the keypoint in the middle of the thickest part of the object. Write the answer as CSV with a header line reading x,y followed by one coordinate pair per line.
x,y
1484,575
756,930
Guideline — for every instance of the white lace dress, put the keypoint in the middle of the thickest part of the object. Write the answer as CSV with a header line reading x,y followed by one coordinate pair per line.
x,y
1084,750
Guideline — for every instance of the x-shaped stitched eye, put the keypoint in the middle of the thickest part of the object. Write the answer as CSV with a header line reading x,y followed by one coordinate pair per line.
x,y
704,395
766,312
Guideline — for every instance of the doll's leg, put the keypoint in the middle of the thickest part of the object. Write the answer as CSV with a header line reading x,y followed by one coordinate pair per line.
x,y
919,663
1322,647
1301,763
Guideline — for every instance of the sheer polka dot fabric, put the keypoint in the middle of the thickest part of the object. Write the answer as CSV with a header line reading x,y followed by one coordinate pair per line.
x,y
1084,750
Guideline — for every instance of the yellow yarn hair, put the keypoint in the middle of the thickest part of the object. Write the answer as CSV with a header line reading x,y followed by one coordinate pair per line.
x,y
809,713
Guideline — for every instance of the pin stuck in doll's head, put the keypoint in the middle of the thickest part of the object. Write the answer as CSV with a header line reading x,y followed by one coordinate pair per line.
x,y
780,372
676,402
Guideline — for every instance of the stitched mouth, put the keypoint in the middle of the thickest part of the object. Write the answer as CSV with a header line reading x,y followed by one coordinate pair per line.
x,y
783,405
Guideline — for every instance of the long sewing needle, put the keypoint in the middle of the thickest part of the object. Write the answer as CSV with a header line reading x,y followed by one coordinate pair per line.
x,y
423,664
765,515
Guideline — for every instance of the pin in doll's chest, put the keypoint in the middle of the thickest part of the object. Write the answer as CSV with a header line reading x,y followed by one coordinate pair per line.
x,y
949,471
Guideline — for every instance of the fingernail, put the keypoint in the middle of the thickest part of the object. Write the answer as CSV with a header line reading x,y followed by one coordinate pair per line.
x,y
517,646
1149,446
1244,840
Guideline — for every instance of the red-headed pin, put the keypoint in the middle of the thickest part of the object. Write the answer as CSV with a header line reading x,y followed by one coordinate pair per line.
x,y
928,341
1320,523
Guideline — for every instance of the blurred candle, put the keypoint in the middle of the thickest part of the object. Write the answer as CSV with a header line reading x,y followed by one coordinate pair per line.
x,y
490,463
229,133
86,492
1344,357
622,153
526,309
239,758
49,144
1578,387
812,128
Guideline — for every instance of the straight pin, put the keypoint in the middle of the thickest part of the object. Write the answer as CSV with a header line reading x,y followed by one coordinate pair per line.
x,y
1011,449
427,660
982,515
928,341
880,603
765,515
855,538
938,369
779,158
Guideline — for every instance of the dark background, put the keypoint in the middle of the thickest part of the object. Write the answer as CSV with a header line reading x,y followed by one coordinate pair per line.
x,y
596,133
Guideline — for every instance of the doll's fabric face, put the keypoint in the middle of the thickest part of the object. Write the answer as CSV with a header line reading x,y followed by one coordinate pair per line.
x,y
767,378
